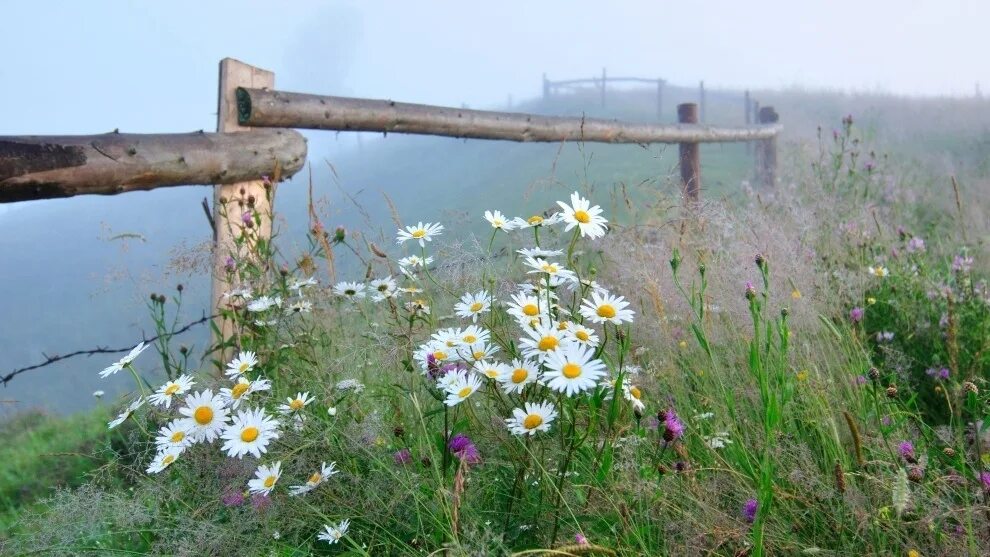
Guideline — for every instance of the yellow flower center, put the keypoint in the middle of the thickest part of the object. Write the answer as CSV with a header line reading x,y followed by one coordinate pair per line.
x,y
239,390
172,389
243,367
563,325
203,415
315,478
168,459
249,434
440,355
549,268
478,354
296,404
530,310
606,311
533,421
571,370
548,343
519,375
419,233
270,481
535,220
177,437
470,339
476,307
582,216
491,373
451,343
463,393
582,335
635,392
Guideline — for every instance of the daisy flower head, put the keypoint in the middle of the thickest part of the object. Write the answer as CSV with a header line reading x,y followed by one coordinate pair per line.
x,y
531,418
878,271
414,261
315,479
126,413
206,414
350,290
516,376
634,395
499,221
433,353
332,534
539,252
543,340
243,363
606,308
174,435
477,351
297,285
296,404
421,232
383,289
584,336
449,337
266,476
490,370
242,389
573,369
584,216
556,272
125,361
249,432
473,305
536,221
463,386
300,306
264,303
473,334
163,460
526,307
163,396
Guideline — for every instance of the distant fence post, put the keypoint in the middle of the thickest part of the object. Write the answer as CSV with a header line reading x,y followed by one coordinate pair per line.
x,y
659,100
546,87
701,100
766,150
604,79
748,117
232,200
690,159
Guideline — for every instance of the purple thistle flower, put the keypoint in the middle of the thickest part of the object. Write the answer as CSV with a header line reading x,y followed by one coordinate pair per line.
x,y
673,426
230,264
886,421
906,449
861,380
247,217
464,449
962,263
938,373
856,314
750,507
985,479
232,498
260,502
432,367
915,245
580,539
402,456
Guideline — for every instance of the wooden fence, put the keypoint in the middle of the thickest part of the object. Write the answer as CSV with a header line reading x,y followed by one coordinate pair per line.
x,y
235,158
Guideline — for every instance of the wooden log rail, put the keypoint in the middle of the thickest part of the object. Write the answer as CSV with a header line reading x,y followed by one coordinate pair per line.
x,y
44,167
267,108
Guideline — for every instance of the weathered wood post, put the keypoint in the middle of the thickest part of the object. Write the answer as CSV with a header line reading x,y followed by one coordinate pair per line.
x,y
231,201
701,100
604,79
690,160
546,87
659,100
766,150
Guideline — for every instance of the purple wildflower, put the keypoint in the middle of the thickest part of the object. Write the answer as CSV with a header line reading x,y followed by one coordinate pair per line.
x,y
886,421
906,448
962,263
232,498
915,245
260,502
938,373
403,456
580,539
861,379
230,264
432,367
266,179
985,479
464,449
856,314
750,290
750,507
247,217
673,426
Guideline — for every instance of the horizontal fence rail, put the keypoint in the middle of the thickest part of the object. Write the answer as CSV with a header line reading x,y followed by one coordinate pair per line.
x,y
44,167
267,108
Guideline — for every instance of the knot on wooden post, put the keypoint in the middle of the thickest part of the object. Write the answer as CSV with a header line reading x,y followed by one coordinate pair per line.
x,y
690,158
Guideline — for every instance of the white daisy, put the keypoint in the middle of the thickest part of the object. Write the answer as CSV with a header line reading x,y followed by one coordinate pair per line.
x,y
436,351
163,460
126,413
535,417
581,214
174,435
295,404
490,370
298,285
332,534
473,305
556,272
300,306
515,377
352,290
414,261
206,415
243,363
499,221
265,479
163,396
473,334
315,479
633,394
383,289
98,394
264,303
243,293
249,432
463,386
606,308
543,341
536,221
583,335
878,271
418,306
573,369
477,351
421,232
125,361
526,307
539,252
242,389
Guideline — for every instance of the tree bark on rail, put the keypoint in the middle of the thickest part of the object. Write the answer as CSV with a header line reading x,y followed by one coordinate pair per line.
x,y
44,167
267,108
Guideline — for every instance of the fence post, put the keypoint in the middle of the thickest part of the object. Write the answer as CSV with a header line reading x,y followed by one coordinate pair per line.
x,y
603,87
659,100
766,150
748,117
546,87
232,200
690,159
701,100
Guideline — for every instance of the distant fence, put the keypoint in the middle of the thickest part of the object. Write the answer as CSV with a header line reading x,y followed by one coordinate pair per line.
x,y
234,159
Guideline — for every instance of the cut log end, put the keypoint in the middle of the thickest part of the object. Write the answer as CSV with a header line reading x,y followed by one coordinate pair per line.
x,y
243,106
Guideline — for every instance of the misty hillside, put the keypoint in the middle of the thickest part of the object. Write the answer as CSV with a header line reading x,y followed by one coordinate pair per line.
x,y
78,271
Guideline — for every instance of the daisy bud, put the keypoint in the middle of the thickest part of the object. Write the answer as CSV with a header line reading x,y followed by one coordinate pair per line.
x,y
760,261
675,261
339,234
892,391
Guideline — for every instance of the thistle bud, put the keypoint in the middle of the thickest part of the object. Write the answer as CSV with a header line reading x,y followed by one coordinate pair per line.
x,y
750,291
398,431
251,201
675,261
916,474
183,350
759,260
180,288
949,452
339,234
970,387
784,312
892,391
873,373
